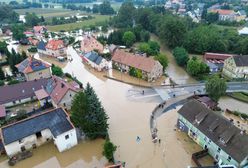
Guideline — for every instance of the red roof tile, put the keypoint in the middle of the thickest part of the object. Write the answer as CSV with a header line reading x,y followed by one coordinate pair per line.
x,y
223,11
136,61
55,44
37,29
61,87
89,43
216,56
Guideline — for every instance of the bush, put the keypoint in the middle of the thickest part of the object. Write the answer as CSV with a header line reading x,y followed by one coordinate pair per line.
x,y
1,82
108,150
57,70
32,49
12,82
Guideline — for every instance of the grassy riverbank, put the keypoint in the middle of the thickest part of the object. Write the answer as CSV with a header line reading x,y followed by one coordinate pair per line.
x,y
240,96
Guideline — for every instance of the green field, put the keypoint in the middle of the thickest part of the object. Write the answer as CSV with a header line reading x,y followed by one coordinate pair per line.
x,y
78,25
48,13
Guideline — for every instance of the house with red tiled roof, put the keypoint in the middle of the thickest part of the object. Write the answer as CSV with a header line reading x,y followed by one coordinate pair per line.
x,y
33,69
90,43
39,29
124,61
225,15
55,48
62,92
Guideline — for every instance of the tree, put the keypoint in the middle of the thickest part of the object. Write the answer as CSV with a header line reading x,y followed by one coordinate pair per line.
x,y
155,47
2,75
57,70
196,68
173,31
116,37
88,114
105,8
125,15
181,56
215,87
3,47
18,31
7,14
95,8
193,67
1,83
144,36
32,19
129,38
108,150
163,60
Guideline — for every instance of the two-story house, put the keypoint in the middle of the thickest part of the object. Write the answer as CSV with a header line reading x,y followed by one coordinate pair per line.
x,y
226,143
34,69
236,67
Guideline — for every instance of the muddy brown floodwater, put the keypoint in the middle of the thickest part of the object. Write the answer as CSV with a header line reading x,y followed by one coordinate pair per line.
x,y
127,120
174,71
233,104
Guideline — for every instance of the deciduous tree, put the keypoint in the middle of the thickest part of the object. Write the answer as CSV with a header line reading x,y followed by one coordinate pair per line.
x,y
216,87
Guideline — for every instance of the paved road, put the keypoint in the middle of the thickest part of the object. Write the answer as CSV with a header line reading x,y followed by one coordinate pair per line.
x,y
167,92
178,95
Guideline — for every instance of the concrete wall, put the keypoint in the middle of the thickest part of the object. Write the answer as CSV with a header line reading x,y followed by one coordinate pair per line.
x,y
232,71
56,53
156,72
9,104
67,99
205,142
45,73
64,144
28,142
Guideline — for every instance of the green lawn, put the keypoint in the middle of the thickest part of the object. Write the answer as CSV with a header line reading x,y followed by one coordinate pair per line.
x,y
47,13
78,25
240,96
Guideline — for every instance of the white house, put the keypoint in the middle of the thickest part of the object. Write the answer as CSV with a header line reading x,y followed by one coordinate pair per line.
x,y
95,60
236,67
55,48
21,93
37,130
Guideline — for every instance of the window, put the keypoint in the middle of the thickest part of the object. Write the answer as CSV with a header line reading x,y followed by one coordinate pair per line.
x,y
209,142
14,102
38,134
219,150
229,158
67,137
20,141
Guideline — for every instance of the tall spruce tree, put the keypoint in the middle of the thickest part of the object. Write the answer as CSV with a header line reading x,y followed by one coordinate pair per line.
x,y
97,115
2,75
89,115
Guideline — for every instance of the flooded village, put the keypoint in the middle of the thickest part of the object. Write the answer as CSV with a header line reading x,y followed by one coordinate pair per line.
x,y
116,98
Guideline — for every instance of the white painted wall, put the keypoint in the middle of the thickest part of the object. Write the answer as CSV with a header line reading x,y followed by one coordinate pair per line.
x,y
67,99
56,53
9,104
64,144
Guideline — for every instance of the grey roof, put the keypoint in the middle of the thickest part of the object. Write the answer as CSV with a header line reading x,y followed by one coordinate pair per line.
x,y
41,45
22,90
94,57
55,120
220,130
241,60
